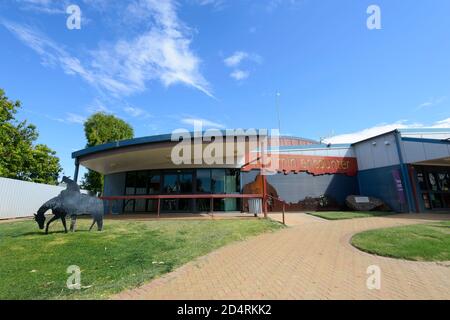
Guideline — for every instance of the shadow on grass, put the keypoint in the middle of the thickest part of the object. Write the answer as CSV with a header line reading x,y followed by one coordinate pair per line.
x,y
42,233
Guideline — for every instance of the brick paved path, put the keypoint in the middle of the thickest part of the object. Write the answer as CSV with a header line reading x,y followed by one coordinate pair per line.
x,y
310,260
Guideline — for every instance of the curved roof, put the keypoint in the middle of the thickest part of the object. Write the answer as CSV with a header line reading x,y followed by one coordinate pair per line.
x,y
164,138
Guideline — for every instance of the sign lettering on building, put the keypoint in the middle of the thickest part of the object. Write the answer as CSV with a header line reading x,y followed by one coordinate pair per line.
x,y
315,165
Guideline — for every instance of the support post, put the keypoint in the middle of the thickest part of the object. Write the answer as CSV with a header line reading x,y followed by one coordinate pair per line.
x,y
414,187
264,195
158,207
211,205
77,169
404,173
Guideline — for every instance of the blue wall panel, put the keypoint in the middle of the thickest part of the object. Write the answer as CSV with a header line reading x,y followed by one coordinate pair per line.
x,y
294,188
381,183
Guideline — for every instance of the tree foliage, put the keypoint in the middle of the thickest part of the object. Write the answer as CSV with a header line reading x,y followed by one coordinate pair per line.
x,y
20,158
102,128
99,129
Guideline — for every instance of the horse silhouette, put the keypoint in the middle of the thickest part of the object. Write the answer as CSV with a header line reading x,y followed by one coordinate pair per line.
x,y
71,202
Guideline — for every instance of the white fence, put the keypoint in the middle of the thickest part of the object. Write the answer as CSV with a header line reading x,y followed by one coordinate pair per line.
x,y
19,199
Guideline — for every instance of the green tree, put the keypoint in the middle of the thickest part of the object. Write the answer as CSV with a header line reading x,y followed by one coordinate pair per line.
x,y
101,128
20,158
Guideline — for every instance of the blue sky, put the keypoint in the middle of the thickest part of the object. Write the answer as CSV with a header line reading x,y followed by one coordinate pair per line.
x,y
161,64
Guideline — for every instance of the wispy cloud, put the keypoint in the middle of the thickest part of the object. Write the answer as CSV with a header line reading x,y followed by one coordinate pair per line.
x,y
239,56
216,4
44,6
383,128
271,5
98,106
240,75
236,59
136,112
162,52
432,102
74,118
204,122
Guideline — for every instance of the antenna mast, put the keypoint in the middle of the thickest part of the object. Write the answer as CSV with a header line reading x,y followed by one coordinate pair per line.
x,y
278,110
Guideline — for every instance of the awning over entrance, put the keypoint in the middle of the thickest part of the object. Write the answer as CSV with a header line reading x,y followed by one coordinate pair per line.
x,y
435,162
143,157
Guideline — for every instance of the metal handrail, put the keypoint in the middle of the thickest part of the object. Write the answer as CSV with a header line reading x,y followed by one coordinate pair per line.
x,y
160,197
284,205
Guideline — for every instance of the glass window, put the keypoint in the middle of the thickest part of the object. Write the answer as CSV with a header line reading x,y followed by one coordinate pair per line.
x,y
130,184
436,201
140,205
446,200
141,183
218,181
204,181
169,205
171,184
152,205
185,181
232,183
219,205
154,183
128,206
184,204
203,205
426,201
433,182
444,181
421,180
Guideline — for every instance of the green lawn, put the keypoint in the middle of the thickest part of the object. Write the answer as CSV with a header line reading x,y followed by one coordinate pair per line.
x,y
125,255
343,215
427,242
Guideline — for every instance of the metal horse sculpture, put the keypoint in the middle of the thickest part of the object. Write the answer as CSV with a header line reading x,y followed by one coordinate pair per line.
x,y
71,202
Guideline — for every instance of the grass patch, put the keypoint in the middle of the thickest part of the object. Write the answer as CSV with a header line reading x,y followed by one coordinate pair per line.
x,y
426,242
33,265
344,215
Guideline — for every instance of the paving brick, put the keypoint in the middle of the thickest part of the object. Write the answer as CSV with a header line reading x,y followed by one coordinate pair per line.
x,y
312,259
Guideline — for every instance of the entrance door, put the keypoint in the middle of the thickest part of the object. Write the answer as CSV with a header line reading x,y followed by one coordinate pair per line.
x,y
177,183
434,183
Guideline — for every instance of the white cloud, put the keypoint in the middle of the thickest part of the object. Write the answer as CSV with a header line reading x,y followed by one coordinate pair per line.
x,y
136,112
54,55
98,106
382,128
239,56
216,4
74,118
442,124
240,75
44,6
236,58
162,52
204,122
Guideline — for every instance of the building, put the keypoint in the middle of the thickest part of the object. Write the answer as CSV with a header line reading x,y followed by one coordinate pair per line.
x,y
408,169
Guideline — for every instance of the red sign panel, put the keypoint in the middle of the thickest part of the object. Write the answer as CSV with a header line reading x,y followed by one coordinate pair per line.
x,y
315,165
